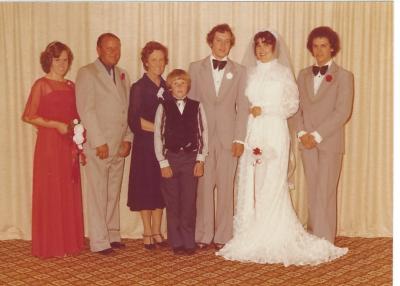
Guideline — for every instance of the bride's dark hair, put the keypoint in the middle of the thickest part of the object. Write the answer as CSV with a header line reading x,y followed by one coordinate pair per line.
x,y
266,37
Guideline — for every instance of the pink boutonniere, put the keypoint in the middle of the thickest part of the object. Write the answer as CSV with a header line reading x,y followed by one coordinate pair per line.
x,y
122,76
328,78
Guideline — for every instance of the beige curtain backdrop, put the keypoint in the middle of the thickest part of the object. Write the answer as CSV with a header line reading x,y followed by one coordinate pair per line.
x,y
366,31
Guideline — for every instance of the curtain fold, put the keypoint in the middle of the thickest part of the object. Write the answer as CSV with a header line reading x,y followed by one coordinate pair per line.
x,y
366,33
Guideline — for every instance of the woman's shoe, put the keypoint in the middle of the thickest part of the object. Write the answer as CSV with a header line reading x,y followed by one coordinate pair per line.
x,y
150,245
161,242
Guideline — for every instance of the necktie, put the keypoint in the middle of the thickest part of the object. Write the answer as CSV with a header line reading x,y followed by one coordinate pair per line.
x,y
218,64
322,70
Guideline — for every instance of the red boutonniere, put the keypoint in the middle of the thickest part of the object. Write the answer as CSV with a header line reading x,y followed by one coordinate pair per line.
x,y
122,76
328,78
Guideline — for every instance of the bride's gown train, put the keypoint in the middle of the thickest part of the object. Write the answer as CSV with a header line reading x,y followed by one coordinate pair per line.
x,y
266,228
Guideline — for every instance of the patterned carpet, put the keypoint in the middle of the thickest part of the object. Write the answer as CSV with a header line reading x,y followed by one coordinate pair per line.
x,y
369,262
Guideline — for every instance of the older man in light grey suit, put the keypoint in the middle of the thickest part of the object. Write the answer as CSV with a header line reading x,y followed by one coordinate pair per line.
x,y
326,99
102,95
219,84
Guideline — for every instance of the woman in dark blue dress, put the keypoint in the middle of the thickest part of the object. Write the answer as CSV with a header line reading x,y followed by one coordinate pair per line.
x,y
144,194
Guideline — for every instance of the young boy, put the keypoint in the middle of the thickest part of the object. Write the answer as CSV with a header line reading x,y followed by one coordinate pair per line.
x,y
181,145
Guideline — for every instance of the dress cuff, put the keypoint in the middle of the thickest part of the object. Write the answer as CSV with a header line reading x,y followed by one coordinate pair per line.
x,y
200,157
164,163
317,137
238,141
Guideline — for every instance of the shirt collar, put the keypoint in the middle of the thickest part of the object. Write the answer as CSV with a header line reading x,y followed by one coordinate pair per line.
x,y
327,64
214,58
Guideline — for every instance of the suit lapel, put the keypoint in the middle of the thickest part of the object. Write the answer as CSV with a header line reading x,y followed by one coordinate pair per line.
x,y
310,84
106,79
229,69
119,78
325,84
206,75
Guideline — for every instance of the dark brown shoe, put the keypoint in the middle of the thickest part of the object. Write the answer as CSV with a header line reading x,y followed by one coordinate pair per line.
x,y
190,251
218,246
107,251
117,244
148,246
178,250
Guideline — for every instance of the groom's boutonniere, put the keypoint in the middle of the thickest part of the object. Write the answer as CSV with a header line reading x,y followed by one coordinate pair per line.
x,y
122,76
328,78
229,75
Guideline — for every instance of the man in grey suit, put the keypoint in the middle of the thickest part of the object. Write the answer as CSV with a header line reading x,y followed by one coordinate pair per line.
x,y
102,97
326,100
219,84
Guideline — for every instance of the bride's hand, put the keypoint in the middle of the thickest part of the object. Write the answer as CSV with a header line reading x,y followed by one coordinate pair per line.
x,y
255,111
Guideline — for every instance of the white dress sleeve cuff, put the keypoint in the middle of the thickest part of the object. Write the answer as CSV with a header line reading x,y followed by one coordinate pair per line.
x,y
317,137
164,163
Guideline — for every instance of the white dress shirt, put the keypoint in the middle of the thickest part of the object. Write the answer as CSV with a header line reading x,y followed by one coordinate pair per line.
x,y
217,74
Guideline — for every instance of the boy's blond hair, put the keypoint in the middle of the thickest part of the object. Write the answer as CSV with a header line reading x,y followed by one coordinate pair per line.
x,y
178,74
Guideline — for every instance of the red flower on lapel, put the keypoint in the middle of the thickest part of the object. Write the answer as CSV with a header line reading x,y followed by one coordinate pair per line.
x,y
122,76
257,151
328,78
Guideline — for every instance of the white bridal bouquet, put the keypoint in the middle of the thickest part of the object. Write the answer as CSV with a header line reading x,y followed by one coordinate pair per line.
x,y
79,136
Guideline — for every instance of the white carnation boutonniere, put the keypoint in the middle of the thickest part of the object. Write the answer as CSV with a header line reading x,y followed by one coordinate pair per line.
x,y
160,93
229,75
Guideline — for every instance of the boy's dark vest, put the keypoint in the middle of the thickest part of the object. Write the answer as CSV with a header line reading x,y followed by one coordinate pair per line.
x,y
181,130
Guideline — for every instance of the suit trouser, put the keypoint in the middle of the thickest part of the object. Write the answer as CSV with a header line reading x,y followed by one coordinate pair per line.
x,y
322,170
104,178
219,172
179,193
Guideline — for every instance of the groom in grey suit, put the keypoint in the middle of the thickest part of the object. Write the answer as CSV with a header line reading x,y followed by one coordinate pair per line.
x,y
219,84
102,95
326,100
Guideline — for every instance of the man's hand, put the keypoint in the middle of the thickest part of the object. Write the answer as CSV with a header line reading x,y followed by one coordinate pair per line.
x,y
166,172
237,149
198,169
308,141
255,111
124,149
102,151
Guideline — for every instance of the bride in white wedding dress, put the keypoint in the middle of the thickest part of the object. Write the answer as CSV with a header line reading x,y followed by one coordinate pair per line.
x,y
266,228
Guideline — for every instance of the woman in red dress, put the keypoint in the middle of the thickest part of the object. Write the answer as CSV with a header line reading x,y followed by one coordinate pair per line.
x,y
57,220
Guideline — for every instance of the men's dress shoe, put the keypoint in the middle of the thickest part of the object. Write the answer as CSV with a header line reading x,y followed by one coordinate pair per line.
x,y
202,246
107,251
190,251
218,246
178,250
117,244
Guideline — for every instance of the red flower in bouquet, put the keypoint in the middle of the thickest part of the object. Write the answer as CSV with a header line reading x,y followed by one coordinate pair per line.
x,y
257,153
122,76
328,78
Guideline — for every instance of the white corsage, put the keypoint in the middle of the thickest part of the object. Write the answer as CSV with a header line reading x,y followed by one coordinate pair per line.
x,y
160,93
78,137
229,75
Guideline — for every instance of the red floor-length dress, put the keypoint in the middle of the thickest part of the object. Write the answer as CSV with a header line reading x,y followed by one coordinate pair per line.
x,y
57,216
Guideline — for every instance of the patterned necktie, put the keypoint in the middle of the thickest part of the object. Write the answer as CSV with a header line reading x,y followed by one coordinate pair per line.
x,y
322,70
